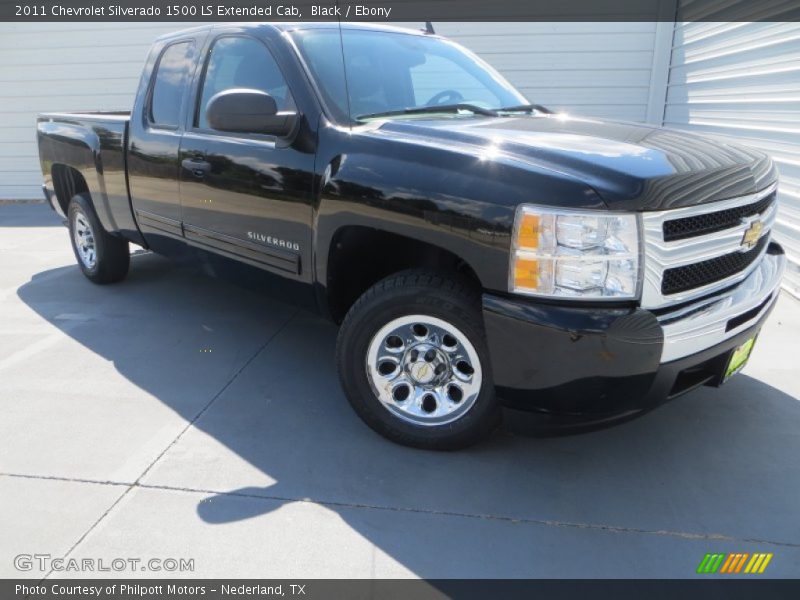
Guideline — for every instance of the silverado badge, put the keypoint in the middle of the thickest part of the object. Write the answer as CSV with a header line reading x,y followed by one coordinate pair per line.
x,y
752,234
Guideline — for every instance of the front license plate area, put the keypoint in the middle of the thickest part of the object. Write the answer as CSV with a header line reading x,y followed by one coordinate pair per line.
x,y
738,358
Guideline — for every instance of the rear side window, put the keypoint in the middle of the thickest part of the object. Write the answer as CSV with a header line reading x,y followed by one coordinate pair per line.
x,y
169,86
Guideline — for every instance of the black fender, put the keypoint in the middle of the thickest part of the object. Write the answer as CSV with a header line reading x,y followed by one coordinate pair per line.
x,y
454,199
95,149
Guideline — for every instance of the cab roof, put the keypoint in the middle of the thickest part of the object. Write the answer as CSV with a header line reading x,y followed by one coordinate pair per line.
x,y
285,27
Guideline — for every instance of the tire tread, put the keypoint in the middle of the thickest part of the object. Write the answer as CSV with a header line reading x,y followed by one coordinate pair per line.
x,y
113,253
467,299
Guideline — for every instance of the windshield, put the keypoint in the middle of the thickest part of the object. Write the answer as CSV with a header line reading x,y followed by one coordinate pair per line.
x,y
391,72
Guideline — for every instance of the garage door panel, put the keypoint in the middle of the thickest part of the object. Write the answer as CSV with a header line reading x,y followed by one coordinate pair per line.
x,y
18,150
488,45
462,30
600,69
85,35
510,62
16,163
37,57
67,103
769,117
779,58
597,95
742,81
745,39
75,87
773,80
578,78
16,74
741,133
21,178
20,134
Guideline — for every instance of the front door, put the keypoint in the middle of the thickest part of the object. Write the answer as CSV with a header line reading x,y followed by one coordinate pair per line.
x,y
246,196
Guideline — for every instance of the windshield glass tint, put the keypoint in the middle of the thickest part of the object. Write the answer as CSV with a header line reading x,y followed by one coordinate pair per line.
x,y
389,71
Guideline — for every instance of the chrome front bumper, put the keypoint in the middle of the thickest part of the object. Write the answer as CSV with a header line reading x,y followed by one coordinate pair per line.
x,y
711,321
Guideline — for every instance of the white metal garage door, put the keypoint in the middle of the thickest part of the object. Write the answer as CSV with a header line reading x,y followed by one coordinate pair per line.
x,y
598,69
743,80
61,66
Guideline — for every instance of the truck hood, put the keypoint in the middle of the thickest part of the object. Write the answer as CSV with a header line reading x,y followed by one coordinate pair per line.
x,y
630,166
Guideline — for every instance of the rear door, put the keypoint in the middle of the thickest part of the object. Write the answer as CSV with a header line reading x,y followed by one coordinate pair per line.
x,y
245,195
155,134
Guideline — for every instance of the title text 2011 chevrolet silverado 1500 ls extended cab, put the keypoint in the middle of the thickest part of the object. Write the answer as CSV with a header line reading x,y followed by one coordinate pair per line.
x,y
473,247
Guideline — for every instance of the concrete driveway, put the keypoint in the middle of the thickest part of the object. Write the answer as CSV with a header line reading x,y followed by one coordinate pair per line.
x,y
177,416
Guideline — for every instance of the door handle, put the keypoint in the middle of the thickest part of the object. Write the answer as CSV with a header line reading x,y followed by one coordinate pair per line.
x,y
196,166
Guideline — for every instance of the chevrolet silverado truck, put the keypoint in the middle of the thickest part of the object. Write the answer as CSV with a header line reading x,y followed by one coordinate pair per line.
x,y
477,250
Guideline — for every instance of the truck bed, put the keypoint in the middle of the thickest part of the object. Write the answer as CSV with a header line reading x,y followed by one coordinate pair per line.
x,y
94,143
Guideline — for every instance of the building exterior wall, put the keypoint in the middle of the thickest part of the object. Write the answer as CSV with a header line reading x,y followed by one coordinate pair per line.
x,y
739,80
742,81
598,69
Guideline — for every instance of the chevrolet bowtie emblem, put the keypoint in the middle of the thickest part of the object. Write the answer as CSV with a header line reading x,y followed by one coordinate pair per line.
x,y
752,234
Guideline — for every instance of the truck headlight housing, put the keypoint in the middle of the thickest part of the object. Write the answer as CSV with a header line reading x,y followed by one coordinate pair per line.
x,y
585,255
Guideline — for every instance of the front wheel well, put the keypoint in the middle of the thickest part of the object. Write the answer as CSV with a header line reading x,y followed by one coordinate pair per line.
x,y
361,256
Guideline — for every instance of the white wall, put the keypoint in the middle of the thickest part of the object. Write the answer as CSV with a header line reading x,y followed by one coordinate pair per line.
x,y
599,69
61,66
742,80
731,79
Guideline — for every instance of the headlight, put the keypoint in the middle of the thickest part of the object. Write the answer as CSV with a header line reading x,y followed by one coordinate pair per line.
x,y
564,253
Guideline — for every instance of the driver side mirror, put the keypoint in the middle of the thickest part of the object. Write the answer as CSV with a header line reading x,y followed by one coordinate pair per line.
x,y
249,111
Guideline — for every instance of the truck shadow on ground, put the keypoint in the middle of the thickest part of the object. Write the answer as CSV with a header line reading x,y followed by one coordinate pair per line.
x,y
28,214
714,462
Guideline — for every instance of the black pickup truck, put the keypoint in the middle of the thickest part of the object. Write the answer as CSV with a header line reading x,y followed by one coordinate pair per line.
x,y
475,248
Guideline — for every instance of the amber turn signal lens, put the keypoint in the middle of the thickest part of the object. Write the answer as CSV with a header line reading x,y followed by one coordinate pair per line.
x,y
526,273
528,235
560,252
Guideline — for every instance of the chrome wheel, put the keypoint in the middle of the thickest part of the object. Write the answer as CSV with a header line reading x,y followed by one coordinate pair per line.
x,y
424,370
83,237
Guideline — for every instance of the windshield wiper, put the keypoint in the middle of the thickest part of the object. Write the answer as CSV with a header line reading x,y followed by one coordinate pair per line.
x,y
525,108
447,108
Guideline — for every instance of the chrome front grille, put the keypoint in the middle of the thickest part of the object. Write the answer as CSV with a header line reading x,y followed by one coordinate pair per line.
x,y
688,227
694,251
705,272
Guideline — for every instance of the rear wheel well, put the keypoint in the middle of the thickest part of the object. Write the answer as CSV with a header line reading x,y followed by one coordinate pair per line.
x,y
360,256
67,182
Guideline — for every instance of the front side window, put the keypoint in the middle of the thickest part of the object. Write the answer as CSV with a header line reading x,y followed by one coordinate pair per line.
x,y
169,85
240,62
386,71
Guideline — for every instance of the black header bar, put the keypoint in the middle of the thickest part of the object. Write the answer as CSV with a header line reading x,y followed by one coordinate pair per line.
x,y
716,588
399,10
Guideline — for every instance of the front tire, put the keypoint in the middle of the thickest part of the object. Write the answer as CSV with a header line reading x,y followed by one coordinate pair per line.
x,y
413,362
102,257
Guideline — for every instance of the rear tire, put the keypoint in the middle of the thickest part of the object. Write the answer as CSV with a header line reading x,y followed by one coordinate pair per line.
x,y
414,364
102,257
